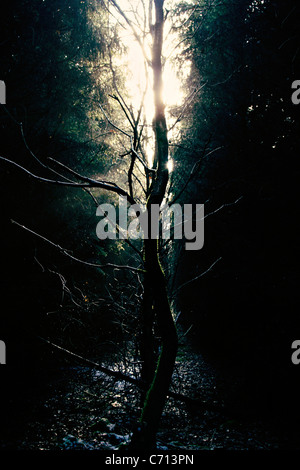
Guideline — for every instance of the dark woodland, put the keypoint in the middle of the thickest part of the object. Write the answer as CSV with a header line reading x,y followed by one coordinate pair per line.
x,y
144,345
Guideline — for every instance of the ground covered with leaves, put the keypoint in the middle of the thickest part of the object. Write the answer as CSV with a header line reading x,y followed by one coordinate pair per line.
x,y
80,408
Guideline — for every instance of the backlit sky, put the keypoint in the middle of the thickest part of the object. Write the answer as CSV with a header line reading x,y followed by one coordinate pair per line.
x,y
136,78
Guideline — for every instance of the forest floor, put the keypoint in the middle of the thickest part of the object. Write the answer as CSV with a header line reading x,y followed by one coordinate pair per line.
x,y
81,408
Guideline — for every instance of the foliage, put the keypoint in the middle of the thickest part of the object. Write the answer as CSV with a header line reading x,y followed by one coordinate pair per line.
x,y
242,134
55,64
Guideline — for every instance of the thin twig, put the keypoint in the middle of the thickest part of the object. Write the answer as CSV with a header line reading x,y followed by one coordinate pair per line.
x,y
197,277
65,252
89,183
120,376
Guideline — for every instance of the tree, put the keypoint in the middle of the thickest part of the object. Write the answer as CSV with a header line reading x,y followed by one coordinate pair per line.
x,y
222,155
154,278
156,306
51,55
245,54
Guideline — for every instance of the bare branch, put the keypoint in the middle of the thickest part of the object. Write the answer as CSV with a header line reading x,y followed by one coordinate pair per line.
x,y
112,124
223,205
147,169
120,98
88,182
51,169
116,374
66,253
76,174
130,24
125,110
197,277
193,172
227,204
187,102
139,383
140,183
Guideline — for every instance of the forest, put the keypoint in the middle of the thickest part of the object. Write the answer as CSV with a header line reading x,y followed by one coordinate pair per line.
x,y
149,169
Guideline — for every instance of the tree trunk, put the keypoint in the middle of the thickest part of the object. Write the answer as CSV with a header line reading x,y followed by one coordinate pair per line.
x,y
145,436
147,347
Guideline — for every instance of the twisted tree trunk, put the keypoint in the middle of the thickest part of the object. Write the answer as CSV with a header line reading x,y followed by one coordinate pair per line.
x,y
155,283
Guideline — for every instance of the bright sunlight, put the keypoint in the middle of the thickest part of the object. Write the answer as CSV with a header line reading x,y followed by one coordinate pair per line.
x,y
139,77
